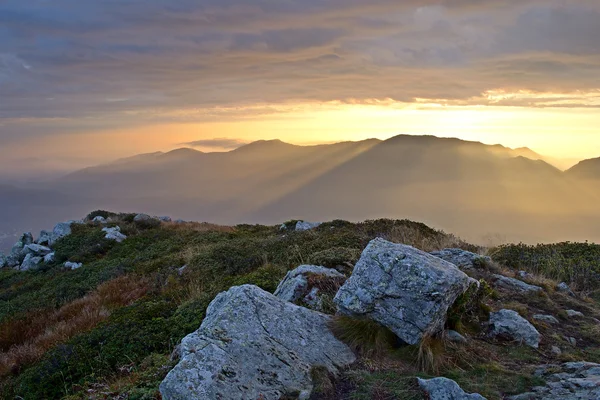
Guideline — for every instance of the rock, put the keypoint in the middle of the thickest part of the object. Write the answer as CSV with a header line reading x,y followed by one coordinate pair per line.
x,y
181,270
515,284
73,265
461,258
45,238
165,219
306,283
145,221
114,234
508,323
545,318
456,337
569,381
37,250
17,253
60,230
573,313
564,288
142,218
556,350
572,341
253,345
99,220
282,227
446,389
402,288
3,260
30,262
49,258
306,226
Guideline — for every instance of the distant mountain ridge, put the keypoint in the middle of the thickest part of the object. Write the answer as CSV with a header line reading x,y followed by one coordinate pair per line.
x,y
461,186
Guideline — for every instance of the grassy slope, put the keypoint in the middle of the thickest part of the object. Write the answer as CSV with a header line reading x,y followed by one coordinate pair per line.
x,y
107,330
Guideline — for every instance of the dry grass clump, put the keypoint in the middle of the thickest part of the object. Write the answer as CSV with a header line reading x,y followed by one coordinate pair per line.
x,y
364,336
425,241
23,341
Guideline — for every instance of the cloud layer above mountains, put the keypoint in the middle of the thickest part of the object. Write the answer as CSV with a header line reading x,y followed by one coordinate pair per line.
x,y
68,58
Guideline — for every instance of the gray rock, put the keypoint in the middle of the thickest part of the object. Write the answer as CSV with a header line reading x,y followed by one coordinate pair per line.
x,y
508,323
114,234
556,350
573,313
73,265
402,288
569,381
296,286
142,218
99,219
545,318
45,239
456,337
306,226
62,229
461,258
37,250
17,253
564,288
515,284
524,275
49,258
572,341
254,345
165,219
3,260
30,262
446,389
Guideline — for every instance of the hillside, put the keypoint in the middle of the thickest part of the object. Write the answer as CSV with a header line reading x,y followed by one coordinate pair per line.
x,y
475,190
106,324
587,169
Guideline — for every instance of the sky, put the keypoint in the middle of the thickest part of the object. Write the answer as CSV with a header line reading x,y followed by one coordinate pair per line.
x,y
84,82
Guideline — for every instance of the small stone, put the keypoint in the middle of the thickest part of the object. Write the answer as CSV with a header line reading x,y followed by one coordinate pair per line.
x,y
572,341
545,318
456,337
573,313
564,288
515,284
99,220
73,265
446,389
508,323
556,350
114,234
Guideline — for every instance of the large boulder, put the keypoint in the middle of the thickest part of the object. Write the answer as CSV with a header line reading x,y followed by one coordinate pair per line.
x,y
514,285
37,250
446,389
569,381
461,258
310,284
306,226
402,288
253,345
509,324
30,262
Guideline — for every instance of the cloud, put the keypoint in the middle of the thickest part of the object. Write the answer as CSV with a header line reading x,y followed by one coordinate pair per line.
x,y
218,143
70,59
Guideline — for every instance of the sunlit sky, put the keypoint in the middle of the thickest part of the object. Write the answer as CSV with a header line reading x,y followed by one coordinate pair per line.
x,y
83,83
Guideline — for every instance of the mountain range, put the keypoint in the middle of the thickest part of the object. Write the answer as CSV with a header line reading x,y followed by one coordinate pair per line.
x,y
481,192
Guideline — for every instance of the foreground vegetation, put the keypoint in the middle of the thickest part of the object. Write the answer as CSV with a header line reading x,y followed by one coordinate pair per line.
x,y
107,330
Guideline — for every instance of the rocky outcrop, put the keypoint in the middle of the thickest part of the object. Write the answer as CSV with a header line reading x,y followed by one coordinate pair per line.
x,y
114,234
461,258
37,250
253,345
60,230
514,285
509,324
306,226
311,285
569,381
17,253
445,389
402,288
